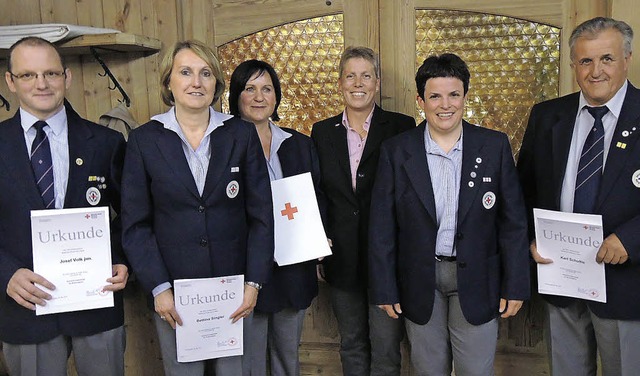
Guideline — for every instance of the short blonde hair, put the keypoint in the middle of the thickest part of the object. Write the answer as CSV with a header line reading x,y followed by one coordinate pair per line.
x,y
204,52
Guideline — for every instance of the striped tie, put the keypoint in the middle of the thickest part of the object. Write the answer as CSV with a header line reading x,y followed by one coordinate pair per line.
x,y
42,165
590,166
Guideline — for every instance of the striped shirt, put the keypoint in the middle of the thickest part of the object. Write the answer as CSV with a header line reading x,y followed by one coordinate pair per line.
x,y
445,170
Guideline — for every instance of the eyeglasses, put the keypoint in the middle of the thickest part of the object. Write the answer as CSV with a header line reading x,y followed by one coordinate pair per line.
x,y
49,76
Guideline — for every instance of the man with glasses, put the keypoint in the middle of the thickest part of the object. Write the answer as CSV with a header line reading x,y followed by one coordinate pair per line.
x,y
581,154
51,158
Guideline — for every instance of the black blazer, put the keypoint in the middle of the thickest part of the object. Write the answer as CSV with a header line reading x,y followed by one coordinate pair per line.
x,y
491,240
294,286
348,211
102,152
541,165
171,232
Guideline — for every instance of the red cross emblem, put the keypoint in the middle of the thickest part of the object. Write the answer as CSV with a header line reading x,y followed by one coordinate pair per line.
x,y
488,200
289,211
87,216
232,341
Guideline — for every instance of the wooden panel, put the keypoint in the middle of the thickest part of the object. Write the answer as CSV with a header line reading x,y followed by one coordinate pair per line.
x,y
361,24
236,18
629,12
545,11
397,55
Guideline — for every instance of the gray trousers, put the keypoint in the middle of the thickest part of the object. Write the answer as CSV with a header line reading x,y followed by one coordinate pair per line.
x,y
101,354
449,337
279,333
575,336
229,366
369,339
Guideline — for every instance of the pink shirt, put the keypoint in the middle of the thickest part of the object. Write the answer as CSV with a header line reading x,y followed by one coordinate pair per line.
x,y
355,144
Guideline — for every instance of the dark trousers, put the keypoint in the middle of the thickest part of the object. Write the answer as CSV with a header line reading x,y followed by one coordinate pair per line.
x,y
369,339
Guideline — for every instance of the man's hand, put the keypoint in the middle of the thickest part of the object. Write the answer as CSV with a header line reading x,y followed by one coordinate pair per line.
x,y
22,289
120,274
166,308
248,303
612,251
509,308
392,310
536,256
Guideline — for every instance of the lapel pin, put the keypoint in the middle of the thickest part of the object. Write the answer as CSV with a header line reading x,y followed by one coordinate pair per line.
x,y
476,166
235,169
488,200
486,179
232,189
621,145
633,129
93,196
473,174
337,125
93,178
625,133
471,184
478,160
79,161
636,178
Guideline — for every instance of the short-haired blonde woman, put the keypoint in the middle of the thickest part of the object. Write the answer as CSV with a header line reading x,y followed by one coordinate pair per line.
x,y
197,201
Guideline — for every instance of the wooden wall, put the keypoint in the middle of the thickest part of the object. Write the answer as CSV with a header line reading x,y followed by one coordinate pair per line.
x,y
384,25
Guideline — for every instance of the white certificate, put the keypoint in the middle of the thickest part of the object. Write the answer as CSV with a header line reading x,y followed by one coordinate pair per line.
x,y
204,305
571,241
72,250
299,234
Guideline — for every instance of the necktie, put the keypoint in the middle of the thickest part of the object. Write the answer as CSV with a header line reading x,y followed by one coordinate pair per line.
x,y
590,165
42,165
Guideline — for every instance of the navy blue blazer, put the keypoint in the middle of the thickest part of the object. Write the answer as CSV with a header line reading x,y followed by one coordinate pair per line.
x,y
294,286
347,221
491,240
102,152
542,163
171,232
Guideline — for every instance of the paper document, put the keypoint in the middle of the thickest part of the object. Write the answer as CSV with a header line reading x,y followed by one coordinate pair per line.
x,y
72,250
205,305
571,241
299,234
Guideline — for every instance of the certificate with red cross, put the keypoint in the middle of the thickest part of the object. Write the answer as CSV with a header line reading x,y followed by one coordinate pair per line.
x,y
299,233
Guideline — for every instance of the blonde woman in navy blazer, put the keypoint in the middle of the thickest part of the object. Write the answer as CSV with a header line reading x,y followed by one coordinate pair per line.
x,y
254,95
197,201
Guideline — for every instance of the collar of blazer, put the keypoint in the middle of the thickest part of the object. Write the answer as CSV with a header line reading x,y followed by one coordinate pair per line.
x,y
170,147
14,153
417,168
626,138
379,130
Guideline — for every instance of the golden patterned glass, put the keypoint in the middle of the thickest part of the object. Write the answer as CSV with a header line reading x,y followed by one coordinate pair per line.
x,y
514,64
305,54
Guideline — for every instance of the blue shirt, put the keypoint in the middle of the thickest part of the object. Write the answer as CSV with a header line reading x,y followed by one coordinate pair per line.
x,y
445,170
273,162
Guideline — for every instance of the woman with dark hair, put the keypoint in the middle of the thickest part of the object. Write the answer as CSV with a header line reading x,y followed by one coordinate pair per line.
x,y
196,199
448,231
254,95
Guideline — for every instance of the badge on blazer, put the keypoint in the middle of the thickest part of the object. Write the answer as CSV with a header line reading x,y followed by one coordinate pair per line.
x,y
93,196
636,178
232,189
488,200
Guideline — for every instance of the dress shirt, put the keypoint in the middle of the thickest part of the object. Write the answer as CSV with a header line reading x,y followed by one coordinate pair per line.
x,y
355,144
197,159
273,162
58,135
584,123
445,170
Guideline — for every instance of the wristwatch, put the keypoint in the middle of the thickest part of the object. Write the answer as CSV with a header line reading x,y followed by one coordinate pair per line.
x,y
255,285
